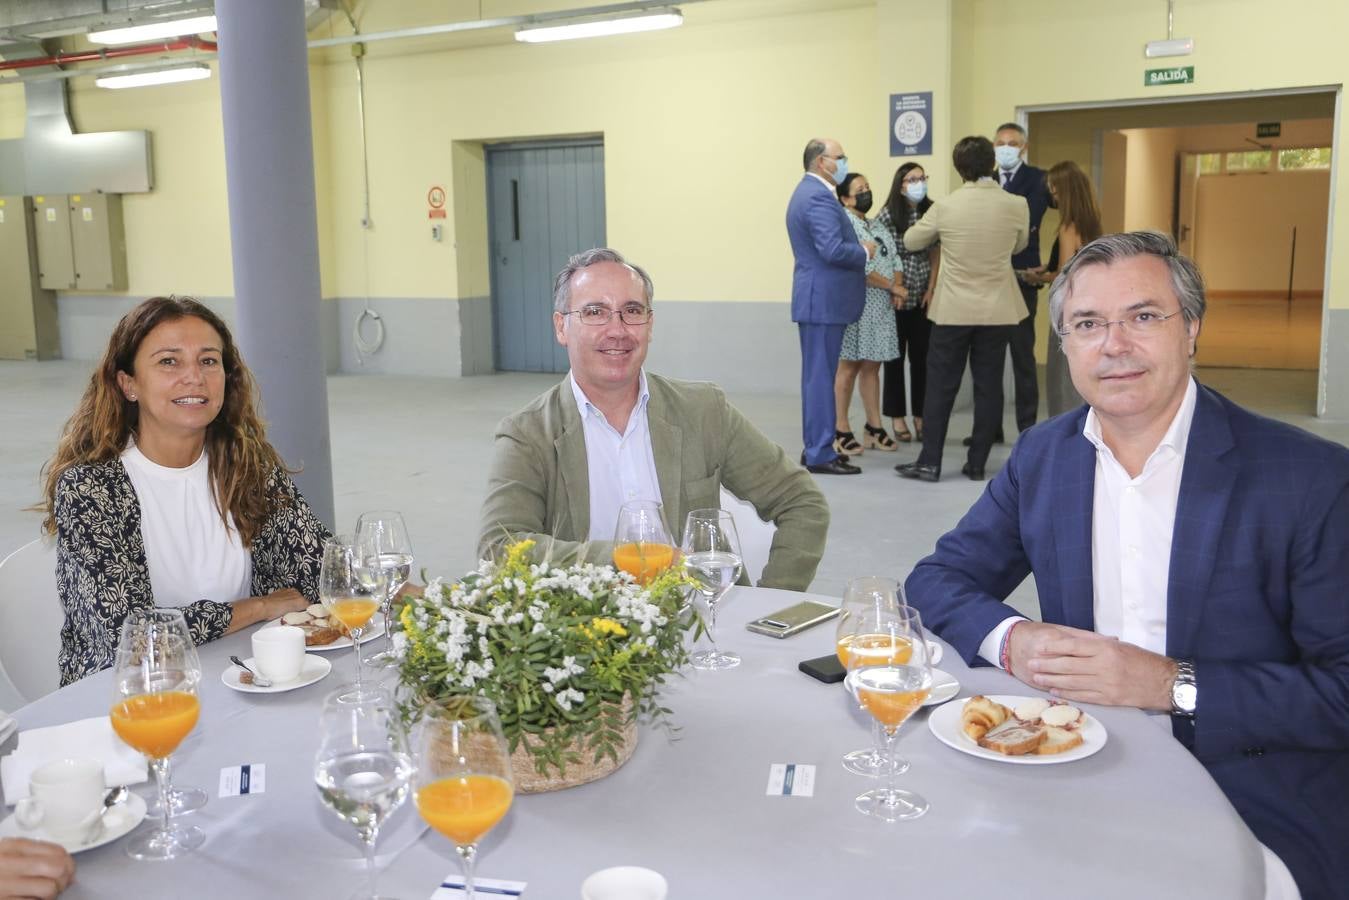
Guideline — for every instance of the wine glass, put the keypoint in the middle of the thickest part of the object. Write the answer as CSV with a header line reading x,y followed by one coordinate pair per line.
x,y
642,544
381,535
363,768
711,551
155,677
890,676
350,589
463,781
869,593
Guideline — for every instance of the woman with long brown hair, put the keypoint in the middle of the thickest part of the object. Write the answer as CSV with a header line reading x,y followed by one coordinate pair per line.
x,y
164,492
1079,225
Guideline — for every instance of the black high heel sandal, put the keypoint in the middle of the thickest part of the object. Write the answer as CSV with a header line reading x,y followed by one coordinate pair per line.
x,y
878,439
845,443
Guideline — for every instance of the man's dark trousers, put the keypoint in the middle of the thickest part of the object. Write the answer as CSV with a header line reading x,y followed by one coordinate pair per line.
x,y
950,346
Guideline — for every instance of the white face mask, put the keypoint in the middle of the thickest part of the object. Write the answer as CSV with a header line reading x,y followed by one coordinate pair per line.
x,y
1007,156
916,191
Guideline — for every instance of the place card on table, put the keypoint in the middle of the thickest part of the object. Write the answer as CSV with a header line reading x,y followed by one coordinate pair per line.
x,y
452,888
791,780
236,781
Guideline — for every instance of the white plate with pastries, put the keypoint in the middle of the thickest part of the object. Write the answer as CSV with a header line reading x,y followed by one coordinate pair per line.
x,y
1027,731
315,621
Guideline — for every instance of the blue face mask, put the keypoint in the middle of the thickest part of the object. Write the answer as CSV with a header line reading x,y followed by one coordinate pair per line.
x,y
1007,156
841,170
916,191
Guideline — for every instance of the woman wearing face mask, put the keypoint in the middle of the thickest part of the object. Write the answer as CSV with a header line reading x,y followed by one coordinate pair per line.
x,y
906,204
1079,224
871,340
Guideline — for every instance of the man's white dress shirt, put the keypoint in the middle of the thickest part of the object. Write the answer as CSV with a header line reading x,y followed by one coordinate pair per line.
x,y
622,466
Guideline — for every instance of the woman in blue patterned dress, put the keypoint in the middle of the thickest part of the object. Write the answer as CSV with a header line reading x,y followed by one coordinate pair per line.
x,y
871,340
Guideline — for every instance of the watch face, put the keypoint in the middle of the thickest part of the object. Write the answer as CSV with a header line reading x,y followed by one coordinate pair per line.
x,y
1184,696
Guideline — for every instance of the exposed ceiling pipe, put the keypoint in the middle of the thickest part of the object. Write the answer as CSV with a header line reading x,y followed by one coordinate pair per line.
x,y
191,42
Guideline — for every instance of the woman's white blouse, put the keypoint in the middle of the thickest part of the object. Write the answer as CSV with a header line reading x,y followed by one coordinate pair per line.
x,y
191,554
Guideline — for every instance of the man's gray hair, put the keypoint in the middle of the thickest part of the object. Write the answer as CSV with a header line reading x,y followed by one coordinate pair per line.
x,y
586,258
814,150
1185,278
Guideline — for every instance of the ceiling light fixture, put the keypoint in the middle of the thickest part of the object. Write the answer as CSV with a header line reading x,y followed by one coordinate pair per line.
x,y
601,26
147,78
135,34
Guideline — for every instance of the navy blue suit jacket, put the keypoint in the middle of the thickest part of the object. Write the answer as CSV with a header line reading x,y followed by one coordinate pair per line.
x,y
829,282
1029,182
1258,597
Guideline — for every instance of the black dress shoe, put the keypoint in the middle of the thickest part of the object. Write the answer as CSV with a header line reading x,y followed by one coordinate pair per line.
x,y
973,473
919,471
834,467
997,439
842,456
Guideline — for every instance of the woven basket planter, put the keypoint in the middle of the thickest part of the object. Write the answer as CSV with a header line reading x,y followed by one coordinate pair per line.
x,y
529,781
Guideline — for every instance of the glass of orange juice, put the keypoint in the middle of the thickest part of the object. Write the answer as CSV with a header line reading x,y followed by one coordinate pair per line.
x,y
154,706
890,678
642,544
463,785
868,593
351,587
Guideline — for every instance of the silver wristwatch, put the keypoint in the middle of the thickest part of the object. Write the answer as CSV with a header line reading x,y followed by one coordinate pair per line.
x,y
1184,692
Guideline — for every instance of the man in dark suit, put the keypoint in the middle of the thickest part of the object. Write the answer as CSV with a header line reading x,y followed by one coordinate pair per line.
x,y
1189,555
828,291
1021,178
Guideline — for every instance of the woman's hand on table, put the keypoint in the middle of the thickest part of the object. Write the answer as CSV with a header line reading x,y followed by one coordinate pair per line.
x,y
252,610
33,869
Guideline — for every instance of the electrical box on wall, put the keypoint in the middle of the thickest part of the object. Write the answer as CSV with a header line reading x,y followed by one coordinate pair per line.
x,y
28,323
81,243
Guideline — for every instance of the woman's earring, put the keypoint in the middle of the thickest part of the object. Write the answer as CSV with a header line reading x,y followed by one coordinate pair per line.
x,y
132,398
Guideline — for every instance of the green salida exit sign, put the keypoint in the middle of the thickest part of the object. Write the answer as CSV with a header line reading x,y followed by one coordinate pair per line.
x,y
1174,75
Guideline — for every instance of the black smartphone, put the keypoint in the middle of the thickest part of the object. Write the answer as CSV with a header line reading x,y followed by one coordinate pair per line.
x,y
824,668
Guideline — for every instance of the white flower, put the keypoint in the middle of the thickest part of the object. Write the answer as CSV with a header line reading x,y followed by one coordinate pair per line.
x,y
566,698
538,628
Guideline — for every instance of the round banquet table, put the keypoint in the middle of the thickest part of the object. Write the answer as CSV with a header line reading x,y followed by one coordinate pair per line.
x,y
1141,818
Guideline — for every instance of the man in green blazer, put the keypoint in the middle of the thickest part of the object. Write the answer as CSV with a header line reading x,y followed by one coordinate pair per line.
x,y
610,433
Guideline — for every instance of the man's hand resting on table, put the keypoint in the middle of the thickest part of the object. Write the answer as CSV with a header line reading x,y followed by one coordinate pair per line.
x,y
1088,667
31,869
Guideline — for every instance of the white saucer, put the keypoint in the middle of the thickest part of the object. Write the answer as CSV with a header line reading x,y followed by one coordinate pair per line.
x,y
117,821
944,687
315,669
374,629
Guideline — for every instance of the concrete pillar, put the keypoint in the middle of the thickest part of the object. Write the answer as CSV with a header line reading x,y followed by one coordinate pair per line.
x,y
269,166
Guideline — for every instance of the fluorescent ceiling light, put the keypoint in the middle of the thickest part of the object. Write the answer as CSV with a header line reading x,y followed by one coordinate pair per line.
x,y
1169,47
171,75
649,20
154,31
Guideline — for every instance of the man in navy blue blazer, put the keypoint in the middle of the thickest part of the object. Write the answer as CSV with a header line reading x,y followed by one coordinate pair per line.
x,y
828,291
1191,558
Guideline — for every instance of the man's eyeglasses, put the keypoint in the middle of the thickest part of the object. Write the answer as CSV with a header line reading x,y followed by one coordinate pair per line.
x,y
836,158
594,314
1092,332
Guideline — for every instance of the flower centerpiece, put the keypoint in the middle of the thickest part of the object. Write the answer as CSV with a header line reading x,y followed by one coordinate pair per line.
x,y
571,656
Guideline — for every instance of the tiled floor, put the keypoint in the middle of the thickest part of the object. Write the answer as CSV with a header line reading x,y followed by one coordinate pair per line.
x,y
423,445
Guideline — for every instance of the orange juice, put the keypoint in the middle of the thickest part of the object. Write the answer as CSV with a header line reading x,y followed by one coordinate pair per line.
x,y
873,650
892,708
464,808
155,724
643,560
353,613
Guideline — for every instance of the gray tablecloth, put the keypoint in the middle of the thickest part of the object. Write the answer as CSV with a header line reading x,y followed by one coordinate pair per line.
x,y
1139,819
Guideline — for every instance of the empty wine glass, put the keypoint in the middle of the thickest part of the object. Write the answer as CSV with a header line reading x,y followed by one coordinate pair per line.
x,y
350,589
363,768
642,545
463,782
381,535
155,677
890,676
868,594
711,549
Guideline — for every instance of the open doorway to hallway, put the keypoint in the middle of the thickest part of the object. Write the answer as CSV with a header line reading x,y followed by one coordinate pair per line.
x,y
1243,184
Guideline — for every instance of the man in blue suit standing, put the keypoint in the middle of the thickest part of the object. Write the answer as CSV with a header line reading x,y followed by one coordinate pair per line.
x,y
1189,555
828,291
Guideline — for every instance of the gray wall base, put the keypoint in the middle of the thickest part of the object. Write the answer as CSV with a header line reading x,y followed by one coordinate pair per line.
x,y
1333,402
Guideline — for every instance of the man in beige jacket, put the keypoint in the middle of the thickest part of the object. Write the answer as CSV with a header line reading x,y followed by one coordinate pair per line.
x,y
974,307
610,433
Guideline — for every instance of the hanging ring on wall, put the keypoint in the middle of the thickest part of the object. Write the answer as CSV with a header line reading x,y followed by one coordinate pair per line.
x,y
367,347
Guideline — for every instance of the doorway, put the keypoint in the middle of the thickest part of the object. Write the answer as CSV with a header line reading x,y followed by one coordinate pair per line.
x,y
545,201
1244,185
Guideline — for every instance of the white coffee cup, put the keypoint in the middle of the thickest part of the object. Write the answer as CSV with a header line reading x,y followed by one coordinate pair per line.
x,y
279,652
64,799
625,883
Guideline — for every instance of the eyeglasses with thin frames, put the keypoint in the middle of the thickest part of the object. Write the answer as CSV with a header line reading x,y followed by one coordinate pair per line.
x,y
594,314
1094,331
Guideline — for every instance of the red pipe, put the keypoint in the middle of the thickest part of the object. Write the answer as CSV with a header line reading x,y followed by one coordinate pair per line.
x,y
192,42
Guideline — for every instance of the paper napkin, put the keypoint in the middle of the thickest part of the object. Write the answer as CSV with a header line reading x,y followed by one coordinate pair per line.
x,y
87,738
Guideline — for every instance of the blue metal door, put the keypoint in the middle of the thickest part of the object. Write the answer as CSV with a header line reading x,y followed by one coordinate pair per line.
x,y
545,202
